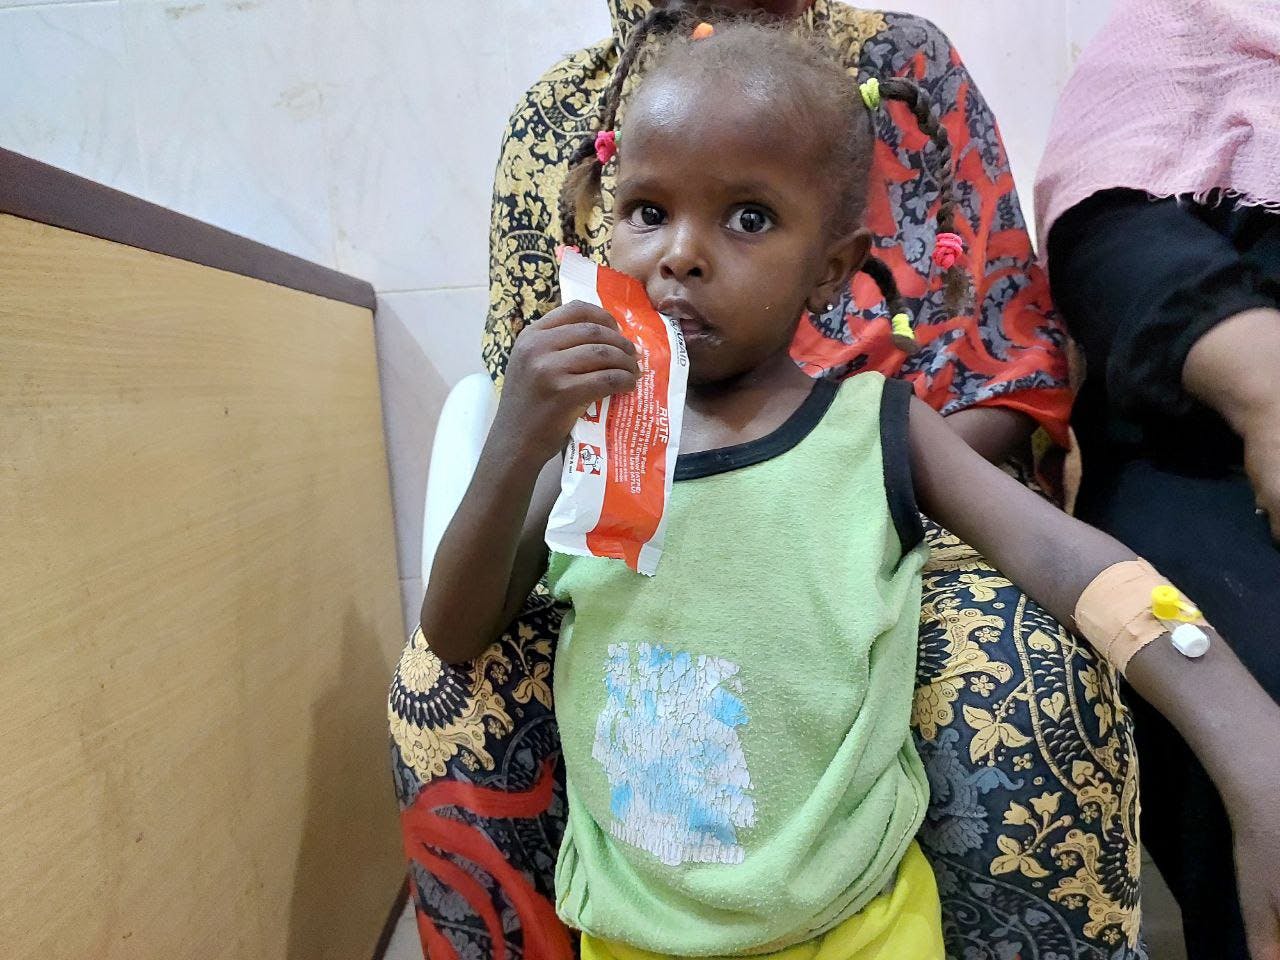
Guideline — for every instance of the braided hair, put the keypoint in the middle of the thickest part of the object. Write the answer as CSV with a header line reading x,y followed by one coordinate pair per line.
x,y
582,182
803,68
917,101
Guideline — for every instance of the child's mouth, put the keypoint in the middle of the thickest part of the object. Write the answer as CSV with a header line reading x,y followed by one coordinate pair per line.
x,y
691,323
694,329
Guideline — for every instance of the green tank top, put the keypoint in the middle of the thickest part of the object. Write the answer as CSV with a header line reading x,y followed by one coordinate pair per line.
x,y
740,769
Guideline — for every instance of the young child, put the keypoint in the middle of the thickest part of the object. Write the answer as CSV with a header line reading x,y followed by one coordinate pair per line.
x,y
741,775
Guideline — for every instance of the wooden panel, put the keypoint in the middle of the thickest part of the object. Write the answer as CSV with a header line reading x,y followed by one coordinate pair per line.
x,y
36,191
198,612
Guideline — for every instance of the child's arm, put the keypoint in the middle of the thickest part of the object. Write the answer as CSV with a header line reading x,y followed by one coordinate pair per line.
x,y
1227,719
492,553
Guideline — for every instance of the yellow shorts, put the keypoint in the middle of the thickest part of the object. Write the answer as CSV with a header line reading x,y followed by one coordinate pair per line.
x,y
904,923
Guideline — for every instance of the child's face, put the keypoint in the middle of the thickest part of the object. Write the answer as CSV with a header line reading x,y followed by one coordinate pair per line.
x,y
721,210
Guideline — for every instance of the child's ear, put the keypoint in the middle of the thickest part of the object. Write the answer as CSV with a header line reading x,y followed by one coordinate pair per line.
x,y
844,256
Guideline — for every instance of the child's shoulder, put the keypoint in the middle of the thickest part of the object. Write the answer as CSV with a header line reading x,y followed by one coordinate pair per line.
x,y
882,403
866,383
862,406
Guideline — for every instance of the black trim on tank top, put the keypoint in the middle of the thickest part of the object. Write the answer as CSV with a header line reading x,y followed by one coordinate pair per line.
x,y
708,463
895,456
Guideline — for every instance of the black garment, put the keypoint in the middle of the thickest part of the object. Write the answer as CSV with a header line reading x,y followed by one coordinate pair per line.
x,y
1138,281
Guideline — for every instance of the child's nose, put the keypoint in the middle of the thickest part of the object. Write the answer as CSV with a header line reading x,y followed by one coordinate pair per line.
x,y
683,258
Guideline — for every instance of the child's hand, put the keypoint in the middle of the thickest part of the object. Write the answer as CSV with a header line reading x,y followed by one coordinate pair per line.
x,y
561,364
1257,852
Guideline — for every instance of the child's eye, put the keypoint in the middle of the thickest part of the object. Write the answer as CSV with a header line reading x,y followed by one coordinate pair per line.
x,y
750,220
647,215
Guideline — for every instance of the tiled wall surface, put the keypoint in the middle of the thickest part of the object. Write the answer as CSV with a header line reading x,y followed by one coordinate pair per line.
x,y
362,134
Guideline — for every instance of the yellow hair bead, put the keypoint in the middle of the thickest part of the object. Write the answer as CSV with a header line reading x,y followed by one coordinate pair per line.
x,y
901,325
904,338
870,90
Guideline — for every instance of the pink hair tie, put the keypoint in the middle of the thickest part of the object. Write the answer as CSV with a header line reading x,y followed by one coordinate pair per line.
x,y
947,249
606,146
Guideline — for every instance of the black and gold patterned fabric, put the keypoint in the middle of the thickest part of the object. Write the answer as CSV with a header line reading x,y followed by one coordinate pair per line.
x,y
1032,825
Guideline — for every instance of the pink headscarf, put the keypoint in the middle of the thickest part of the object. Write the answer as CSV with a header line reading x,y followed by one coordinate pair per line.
x,y
1174,97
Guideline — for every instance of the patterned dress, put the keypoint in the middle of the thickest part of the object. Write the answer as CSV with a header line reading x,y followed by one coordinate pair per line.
x,y
1032,824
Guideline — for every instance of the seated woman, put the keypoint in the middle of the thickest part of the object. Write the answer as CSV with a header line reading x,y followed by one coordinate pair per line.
x,y
1031,829
1159,206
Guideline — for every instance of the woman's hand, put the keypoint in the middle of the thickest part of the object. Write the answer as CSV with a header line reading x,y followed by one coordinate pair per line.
x,y
1257,853
562,363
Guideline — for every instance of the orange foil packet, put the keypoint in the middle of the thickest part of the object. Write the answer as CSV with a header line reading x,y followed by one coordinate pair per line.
x,y
621,459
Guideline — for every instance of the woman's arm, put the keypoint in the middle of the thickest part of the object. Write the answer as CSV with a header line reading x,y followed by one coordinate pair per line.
x,y
993,433
1233,369
1228,720
491,554
523,227
1139,281
1169,313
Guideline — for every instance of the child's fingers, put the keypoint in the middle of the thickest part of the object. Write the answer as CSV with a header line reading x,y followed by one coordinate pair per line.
x,y
603,383
575,311
574,334
590,357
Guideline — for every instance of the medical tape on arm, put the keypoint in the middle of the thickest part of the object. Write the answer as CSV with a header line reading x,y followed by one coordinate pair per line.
x,y
1116,613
